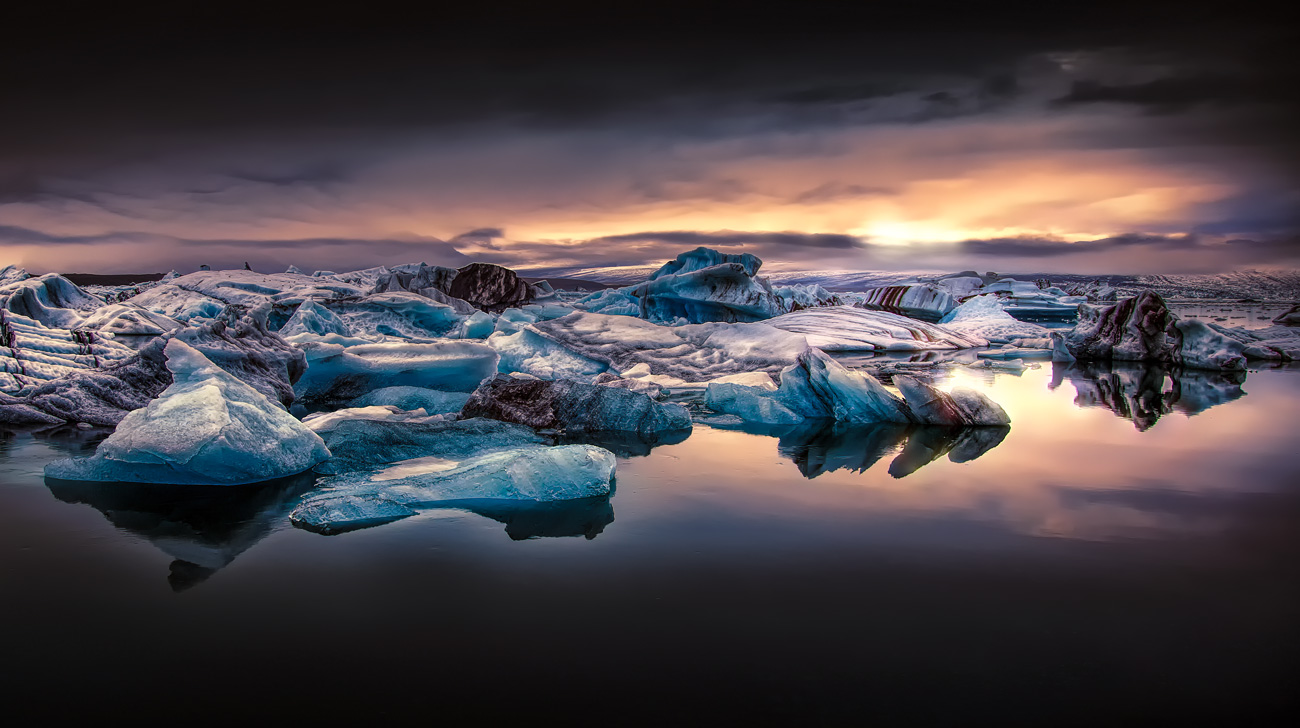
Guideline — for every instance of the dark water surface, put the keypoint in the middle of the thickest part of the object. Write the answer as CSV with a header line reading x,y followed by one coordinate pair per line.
x,y
1126,553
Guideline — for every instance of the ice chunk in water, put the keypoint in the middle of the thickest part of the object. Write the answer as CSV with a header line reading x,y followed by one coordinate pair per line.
x,y
206,428
338,374
432,401
531,474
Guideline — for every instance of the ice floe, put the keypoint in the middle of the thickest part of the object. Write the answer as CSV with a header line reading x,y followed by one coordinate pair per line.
x,y
207,427
539,474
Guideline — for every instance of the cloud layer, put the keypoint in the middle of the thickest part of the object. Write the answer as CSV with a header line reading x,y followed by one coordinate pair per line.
x,y
1149,140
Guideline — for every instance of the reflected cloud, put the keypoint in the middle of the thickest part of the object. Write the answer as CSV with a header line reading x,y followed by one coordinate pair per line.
x,y
1144,392
204,528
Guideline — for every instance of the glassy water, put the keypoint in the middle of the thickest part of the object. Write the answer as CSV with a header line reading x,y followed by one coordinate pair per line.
x,y
1127,550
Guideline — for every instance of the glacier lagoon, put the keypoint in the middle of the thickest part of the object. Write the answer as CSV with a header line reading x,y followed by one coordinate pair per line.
x,y
1129,541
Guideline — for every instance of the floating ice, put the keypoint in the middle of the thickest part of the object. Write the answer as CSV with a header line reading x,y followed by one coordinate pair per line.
x,y
921,300
322,422
704,285
533,474
338,374
432,401
206,428
574,407
984,317
363,444
312,318
846,328
817,386
693,353
127,319
51,299
529,352
612,302
1142,329
104,396
750,404
398,313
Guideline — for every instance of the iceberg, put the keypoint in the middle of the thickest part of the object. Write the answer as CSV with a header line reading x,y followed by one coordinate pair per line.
x,y
704,285
207,427
921,300
1278,342
432,401
984,317
958,407
1142,328
847,328
1290,316
479,325
541,474
312,318
33,353
695,353
337,374
750,404
398,313
322,422
51,299
818,387
104,396
574,407
363,444
126,319
611,302
529,352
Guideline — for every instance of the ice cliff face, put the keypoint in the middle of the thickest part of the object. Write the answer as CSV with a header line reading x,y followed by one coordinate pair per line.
x,y
207,427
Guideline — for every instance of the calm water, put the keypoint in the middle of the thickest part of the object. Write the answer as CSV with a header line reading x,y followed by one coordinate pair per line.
x,y
1127,551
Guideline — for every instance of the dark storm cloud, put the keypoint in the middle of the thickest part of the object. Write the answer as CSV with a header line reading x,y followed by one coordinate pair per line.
x,y
1170,95
234,132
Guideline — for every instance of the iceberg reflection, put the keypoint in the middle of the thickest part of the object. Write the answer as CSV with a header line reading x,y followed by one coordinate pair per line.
x,y
1144,392
203,528
817,447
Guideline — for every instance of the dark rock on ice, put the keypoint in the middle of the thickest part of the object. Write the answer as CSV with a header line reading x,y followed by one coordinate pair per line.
x,y
490,287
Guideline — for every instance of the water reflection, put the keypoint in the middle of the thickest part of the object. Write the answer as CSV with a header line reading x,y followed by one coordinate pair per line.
x,y
203,528
586,517
818,447
1143,392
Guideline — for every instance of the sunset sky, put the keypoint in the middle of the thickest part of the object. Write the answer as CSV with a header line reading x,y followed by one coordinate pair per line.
x,y
1105,139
